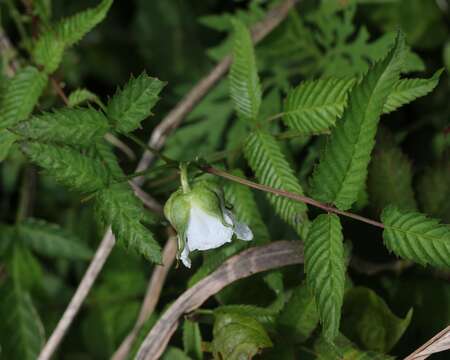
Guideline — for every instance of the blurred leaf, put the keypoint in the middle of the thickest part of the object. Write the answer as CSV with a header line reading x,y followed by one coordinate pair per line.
x,y
390,178
192,340
21,330
344,349
21,95
416,237
369,322
434,190
7,139
132,104
80,96
237,337
173,353
299,317
48,51
51,240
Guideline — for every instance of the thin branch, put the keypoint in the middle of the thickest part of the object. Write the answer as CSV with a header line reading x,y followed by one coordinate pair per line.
x,y
157,140
9,53
151,298
440,342
293,196
198,92
372,268
246,263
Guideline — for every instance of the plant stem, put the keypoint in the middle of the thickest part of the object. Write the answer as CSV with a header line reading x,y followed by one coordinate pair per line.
x,y
145,146
293,196
184,177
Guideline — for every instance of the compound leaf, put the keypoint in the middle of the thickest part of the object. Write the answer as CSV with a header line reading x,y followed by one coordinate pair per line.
x,y
342,169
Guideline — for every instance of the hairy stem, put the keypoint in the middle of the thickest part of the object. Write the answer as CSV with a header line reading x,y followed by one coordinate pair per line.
x,y
293,196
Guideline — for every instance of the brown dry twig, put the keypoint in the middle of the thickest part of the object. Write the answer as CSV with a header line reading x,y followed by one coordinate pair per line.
x,y
246,263
440,342
157,140
154,289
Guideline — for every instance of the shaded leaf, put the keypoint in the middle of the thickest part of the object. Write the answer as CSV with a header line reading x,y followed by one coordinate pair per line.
x,y
51,240
369,322
414,236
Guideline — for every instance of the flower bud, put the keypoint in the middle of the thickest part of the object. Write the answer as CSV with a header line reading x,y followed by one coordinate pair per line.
x,y
201,220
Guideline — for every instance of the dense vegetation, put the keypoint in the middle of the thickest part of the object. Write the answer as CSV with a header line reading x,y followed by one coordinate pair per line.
x,y
327,134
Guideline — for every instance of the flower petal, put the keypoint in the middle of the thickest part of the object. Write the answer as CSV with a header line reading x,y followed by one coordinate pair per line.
x,y
242,231
184,257
206,231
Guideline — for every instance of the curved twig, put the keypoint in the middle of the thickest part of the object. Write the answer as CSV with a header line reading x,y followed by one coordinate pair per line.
x,y
157,140
440,342
246,263
151,297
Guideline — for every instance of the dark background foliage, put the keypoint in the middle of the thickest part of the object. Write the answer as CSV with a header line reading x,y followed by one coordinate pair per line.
x,y
171,40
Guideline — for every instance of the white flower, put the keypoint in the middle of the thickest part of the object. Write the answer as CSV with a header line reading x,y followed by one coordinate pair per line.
x,y
202,221
205,232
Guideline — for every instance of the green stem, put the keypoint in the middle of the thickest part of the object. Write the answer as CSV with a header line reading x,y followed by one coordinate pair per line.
x,y
184,177
145,146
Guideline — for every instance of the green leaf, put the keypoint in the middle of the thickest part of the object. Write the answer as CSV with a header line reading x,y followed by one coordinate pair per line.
x,y
245,208
7,139
266,159
24,269
51,240
245,89
80,96
414,236
192,340
68,166
325,270
118,206
72,29
265,316
299,317
342,169
390,178
48,51
434,190
369,322
21,95
314,106
344,349
173,353
134,102
78,127
407,90
238,337
21,330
